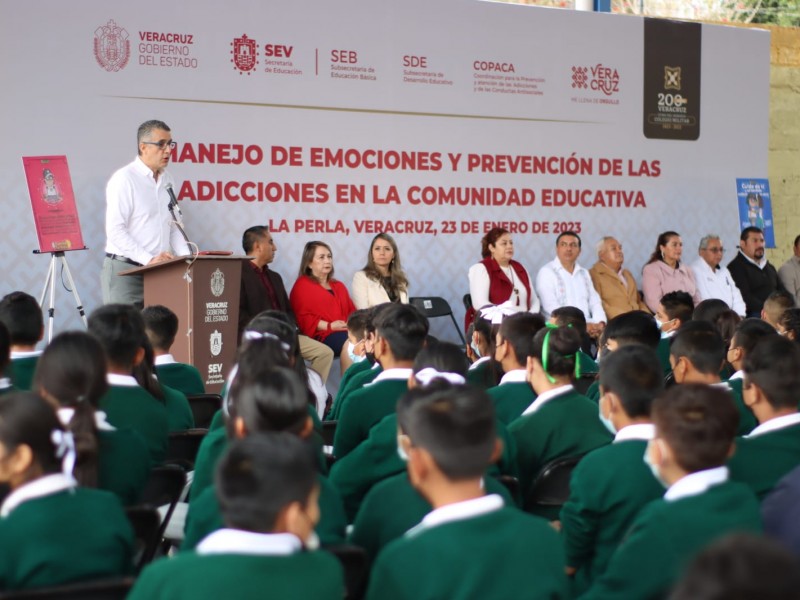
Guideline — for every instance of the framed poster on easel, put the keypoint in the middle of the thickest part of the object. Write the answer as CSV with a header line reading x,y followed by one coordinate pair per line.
x,y
55,216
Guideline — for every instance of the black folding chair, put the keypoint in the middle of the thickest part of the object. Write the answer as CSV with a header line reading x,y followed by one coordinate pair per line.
x,y
146,523
183,447
434,306
102,589
163,488
550,488
204,407
354,563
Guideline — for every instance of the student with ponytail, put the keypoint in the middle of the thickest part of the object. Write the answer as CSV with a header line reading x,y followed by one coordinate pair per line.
x,y
560,422
52,531
71,376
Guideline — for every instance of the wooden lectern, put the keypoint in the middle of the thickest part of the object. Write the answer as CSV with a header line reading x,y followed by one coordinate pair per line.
x,y
204,292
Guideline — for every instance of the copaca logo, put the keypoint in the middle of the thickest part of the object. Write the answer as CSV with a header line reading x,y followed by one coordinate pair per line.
x,y
112,48
245,54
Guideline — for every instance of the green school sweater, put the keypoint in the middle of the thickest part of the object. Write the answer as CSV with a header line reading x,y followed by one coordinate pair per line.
x,y
21,371
662,351
481,375
607,490
511,399
133,407
123,464
191,576
393,506
364,408
747,420
184,378
179,413
665,537
504,554
356,382
586,364
211,449
345,384
73,535
593,393
204,516
376,459
567,425
760,461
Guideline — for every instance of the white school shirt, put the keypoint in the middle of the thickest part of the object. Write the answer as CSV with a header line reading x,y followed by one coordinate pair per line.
x,y
237,541
638,431
775,424
38,488
541,399
696,483
458,511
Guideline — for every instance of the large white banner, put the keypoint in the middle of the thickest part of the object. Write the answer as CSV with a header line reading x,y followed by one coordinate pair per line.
x,y
336,120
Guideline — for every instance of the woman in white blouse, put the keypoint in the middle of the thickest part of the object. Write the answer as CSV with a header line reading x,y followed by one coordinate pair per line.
x,y
498,278
382,279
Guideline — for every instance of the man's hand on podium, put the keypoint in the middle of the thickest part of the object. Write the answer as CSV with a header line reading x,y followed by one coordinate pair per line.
x,y
161,258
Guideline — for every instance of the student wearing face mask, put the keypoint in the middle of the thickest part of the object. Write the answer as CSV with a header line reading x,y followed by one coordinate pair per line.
x,y
611,484
695,427
674,309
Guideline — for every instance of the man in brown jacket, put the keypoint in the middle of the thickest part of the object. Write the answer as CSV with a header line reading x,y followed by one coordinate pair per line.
x,y
615,285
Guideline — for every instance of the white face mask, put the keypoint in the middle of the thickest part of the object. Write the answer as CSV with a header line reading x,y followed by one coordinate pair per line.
x,y
653,467
353,356
474,347
312,541
401,451
607,422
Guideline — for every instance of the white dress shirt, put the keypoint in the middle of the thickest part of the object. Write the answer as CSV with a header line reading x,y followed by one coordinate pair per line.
x,y
138,223
558,287
238,541
717,283
696,483
545,397
775,424
38,488
458,511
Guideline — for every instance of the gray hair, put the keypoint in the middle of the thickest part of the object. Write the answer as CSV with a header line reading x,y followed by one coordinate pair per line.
x,y
707,238
602,243
146,128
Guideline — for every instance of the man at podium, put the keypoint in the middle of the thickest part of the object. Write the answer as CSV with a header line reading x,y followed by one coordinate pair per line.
x,y
139,228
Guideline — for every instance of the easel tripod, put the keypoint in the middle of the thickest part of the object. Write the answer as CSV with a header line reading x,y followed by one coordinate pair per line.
x,y
50,282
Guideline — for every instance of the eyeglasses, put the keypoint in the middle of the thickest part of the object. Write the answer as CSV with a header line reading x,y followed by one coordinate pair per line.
x,y
163,144
716,250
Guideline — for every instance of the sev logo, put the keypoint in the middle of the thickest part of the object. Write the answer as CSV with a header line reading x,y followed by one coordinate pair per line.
x,y
245,54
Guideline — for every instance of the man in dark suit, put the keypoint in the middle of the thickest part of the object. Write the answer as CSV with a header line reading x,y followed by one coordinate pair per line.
x,y
755,277
263,289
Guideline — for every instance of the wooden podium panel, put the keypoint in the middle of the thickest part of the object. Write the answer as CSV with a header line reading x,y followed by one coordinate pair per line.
x,y
204,293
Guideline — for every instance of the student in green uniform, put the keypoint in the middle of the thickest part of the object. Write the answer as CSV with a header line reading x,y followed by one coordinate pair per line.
x,y
22,316
697,353
774,306
400,331
748,333
5,357
264,399
393,506
266,342
120,330
695,428
376,458
771,383
356,348
484,371
513,346
359,375
571,316
560,422
470,545
71,376
611,484
161,326
268,490
179,413
674,310
635,327
53,532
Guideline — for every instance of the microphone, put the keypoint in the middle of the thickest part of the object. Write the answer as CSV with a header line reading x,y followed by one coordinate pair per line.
x,y
173,202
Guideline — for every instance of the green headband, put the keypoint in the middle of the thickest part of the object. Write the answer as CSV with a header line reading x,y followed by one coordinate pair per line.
x,y
546,353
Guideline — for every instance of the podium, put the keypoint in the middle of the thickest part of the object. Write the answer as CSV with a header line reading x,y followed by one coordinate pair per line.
x,y
204,292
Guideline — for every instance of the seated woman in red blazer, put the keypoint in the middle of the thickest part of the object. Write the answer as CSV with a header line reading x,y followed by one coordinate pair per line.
x,y
321,304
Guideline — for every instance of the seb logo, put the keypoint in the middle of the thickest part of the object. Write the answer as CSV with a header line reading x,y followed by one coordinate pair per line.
x,y
599,78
